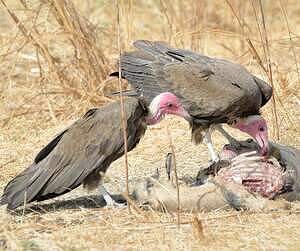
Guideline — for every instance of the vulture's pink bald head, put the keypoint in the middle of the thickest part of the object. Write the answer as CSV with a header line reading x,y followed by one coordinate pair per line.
x,y
256,127
165,103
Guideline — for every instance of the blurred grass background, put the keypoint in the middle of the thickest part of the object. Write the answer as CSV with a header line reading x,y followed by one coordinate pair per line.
x,y
56,55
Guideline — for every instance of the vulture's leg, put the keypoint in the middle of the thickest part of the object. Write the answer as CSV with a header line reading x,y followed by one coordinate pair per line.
x,y
110,202
232,141
207,140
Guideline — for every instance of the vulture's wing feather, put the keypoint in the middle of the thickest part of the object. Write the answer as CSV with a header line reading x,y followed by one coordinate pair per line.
x,y
137,68
211,89
85,148
48,148
266,90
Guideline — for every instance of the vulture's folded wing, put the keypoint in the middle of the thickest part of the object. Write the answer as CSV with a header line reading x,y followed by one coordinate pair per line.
x,y
87,146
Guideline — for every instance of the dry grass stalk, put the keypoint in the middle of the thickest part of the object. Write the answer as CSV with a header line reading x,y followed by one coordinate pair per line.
x,y
290,38
164,10
253,50
175,174
198,229
266,47
132,203
249,41
124,121
205,26
82,67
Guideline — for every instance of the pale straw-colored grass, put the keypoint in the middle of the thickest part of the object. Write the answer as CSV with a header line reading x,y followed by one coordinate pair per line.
x,y
54,66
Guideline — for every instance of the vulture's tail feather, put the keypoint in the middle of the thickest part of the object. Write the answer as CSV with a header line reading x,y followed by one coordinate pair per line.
x,y
25,187
48,148
266,90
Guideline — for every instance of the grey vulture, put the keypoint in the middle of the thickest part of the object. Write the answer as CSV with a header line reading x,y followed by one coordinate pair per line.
x,y
212,90
82,153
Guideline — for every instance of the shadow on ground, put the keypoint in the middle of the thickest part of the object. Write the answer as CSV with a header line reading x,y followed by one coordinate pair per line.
x,y
92,201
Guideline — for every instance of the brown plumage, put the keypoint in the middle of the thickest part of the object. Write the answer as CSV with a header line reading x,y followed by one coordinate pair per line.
x,y
78,154
212,90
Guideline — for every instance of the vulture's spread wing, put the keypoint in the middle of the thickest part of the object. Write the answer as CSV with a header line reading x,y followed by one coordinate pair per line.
x,y
210,89
86,147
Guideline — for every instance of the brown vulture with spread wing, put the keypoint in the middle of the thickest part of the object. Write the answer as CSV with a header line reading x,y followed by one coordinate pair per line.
x,y
212,91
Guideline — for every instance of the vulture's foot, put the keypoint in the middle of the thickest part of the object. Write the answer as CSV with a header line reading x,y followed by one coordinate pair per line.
x,y
110,202
214,161
215,158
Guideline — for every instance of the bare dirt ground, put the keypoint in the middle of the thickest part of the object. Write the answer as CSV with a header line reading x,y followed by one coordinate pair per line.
x,y
47,82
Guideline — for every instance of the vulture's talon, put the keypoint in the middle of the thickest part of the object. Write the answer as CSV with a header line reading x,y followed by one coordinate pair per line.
x,y
214,161
115,205
111,203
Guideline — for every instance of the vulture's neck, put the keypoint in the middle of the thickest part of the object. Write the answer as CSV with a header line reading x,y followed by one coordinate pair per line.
x,y
154,114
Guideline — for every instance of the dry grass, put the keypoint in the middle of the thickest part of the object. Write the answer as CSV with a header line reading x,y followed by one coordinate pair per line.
x,y
55,56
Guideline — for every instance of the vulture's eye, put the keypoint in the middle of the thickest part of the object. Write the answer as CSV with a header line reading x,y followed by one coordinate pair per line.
x,y
261,129
169,105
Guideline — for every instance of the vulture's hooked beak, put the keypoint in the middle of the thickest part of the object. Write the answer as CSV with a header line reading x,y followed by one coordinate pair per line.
x,y
262,140
256,127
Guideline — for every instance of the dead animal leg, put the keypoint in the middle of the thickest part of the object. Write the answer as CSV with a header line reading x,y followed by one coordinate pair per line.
x,y
110,202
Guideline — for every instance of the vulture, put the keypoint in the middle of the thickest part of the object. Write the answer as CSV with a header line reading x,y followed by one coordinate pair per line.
x,y
212,91
82,153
